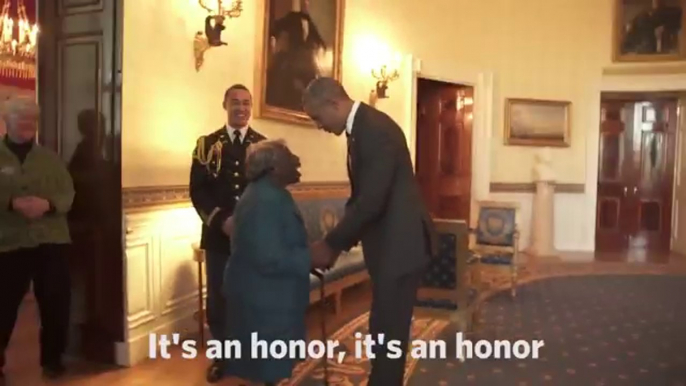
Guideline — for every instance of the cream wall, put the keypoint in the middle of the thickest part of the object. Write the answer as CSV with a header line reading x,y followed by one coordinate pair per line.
x,y
167,105
524,49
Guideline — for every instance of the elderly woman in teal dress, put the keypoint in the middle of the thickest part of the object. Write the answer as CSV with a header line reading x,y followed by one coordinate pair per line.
x,y
267,281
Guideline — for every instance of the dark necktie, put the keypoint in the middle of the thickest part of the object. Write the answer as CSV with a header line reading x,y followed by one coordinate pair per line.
x,y
237,138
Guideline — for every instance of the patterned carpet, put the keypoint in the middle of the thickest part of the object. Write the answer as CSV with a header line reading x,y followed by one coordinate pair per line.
x,y
634,300
353,371
598,330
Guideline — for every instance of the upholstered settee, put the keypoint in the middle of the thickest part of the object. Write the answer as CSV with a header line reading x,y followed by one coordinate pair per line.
x,y
322,205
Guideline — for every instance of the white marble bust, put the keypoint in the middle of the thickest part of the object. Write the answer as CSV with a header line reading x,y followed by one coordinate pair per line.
x,y
543,171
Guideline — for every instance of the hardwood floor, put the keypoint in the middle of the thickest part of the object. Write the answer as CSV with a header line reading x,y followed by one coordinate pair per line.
x,y
638,256
22,368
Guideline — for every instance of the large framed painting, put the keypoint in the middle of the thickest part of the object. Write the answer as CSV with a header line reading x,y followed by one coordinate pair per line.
x,y
302,40
649,30
531,122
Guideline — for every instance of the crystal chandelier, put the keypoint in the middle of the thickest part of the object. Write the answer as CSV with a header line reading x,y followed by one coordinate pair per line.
x,y
17,43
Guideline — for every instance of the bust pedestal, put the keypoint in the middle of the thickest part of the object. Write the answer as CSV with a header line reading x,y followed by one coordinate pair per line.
x,y
542,224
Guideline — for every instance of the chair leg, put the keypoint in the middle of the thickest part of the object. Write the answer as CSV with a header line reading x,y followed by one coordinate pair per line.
x,y
338,305
514,281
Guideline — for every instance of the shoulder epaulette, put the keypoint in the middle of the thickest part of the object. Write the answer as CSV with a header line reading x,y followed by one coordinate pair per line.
x,y
208,152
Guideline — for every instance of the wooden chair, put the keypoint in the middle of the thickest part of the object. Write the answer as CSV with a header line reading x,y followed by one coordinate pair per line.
x,y
494,241
450,284
199,258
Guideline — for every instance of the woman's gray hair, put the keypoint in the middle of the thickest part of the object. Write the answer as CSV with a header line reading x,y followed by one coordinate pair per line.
x,y
263,157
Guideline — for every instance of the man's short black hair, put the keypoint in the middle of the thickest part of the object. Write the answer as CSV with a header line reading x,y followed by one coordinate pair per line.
x,y
324,88
236,86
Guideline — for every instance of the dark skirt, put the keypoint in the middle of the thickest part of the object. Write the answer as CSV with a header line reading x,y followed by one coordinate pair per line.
x,y
255,362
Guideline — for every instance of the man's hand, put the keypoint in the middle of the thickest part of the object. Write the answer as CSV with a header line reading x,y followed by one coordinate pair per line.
x,y
31,207
323,256
227,227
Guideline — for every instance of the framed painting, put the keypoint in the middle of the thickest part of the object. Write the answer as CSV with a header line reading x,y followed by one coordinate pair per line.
x,y
531,122
302,41
649,30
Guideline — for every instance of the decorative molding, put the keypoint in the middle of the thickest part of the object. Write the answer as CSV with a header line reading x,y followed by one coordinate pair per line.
x,y
146,197
530,187
649,69
68,8
152,196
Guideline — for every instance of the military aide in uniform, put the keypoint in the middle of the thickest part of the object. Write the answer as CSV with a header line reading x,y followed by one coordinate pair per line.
x,y
217,181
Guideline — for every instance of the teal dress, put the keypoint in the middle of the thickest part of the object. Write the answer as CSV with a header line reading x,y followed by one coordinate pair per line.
x,y
266,282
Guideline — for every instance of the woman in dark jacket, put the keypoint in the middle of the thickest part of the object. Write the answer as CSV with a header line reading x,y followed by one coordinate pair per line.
x,y
267,279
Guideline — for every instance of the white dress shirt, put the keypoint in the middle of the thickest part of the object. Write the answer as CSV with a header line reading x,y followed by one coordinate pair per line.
x,y
351,118
231,131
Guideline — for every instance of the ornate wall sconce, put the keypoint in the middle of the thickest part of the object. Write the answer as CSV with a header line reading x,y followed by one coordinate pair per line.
x,y
214,25
383,76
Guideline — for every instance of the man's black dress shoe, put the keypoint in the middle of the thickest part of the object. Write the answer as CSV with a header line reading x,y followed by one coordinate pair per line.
x,y
215,372
53,371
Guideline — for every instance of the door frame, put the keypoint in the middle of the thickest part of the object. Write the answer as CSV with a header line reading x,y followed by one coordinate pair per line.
x,y
482,82
102,333
636,95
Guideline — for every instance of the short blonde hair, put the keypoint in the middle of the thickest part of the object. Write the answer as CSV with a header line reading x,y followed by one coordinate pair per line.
x,y
263,157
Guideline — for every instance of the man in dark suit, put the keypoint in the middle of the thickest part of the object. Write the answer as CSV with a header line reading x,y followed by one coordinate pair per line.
x,y
385,213
217,180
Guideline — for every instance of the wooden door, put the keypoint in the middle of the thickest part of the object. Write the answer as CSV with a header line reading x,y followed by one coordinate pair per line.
x,y
444,147
635,175
79,94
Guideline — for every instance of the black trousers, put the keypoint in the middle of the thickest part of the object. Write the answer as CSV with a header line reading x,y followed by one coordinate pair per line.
x,y
393,301
47,267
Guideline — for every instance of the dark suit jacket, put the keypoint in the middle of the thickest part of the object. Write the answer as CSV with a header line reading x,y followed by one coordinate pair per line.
x,y
385,211
217,180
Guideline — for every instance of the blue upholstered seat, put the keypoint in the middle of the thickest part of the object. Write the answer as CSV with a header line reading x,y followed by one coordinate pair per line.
x,y
320,215
448,278
442,270
495,238
347,264
497,259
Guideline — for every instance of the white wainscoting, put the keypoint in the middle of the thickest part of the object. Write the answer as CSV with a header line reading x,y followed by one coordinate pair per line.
x,y
161,277
572,231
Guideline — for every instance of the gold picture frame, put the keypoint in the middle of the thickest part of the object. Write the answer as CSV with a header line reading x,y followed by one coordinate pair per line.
x,y
534,122
632,42
283,72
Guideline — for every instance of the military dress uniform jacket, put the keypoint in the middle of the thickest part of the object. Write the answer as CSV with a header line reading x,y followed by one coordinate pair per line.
x,y
217,180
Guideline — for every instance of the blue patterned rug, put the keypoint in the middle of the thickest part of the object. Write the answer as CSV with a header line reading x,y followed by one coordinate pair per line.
x,y
598,330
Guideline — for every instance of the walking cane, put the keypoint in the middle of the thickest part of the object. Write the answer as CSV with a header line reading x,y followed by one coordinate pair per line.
x,y
320,275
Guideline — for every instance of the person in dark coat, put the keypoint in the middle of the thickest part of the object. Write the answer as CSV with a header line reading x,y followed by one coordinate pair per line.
x,y
267,280
385,213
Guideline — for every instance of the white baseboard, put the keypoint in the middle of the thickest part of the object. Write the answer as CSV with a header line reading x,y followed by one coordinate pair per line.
x,y
136,350
577,256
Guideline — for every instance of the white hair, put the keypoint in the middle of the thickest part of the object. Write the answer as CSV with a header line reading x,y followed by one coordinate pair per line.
x,y
262,157
19,105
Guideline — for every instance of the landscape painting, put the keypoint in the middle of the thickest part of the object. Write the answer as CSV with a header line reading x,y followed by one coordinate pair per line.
x,y
530,122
